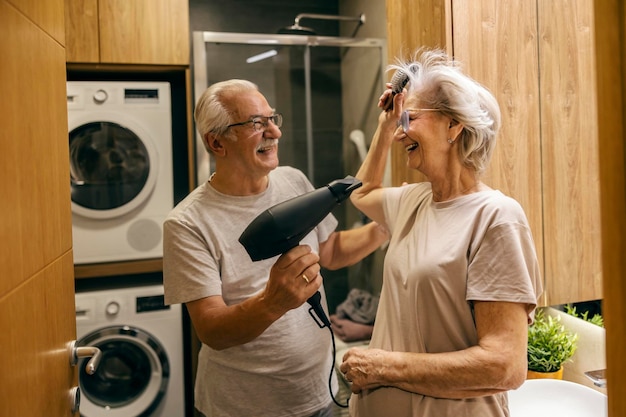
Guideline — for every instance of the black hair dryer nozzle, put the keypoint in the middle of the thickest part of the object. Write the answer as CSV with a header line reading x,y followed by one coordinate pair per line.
x,y
283,226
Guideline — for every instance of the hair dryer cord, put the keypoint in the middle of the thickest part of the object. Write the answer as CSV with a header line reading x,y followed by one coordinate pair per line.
x,y
332,370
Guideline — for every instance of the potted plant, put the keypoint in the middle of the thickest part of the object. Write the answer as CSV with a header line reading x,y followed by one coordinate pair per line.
x,y
550,345
596,319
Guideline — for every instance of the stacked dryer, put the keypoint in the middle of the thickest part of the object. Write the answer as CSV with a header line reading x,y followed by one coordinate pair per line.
x,y
120,140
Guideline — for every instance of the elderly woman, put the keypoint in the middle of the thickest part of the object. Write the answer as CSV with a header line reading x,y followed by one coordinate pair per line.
x,y
461,277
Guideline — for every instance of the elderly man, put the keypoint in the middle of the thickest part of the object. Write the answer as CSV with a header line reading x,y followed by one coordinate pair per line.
x,y
262,354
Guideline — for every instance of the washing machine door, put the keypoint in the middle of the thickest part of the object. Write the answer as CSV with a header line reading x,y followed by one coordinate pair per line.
x,y
113,167
132,376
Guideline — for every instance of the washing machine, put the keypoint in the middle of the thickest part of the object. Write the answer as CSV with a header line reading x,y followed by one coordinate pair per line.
x,y
121,175
141,372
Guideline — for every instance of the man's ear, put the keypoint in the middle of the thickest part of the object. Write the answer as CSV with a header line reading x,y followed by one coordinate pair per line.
x,y
214,143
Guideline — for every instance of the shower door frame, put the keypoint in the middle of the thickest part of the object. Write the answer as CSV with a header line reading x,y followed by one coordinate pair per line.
x,y
200,75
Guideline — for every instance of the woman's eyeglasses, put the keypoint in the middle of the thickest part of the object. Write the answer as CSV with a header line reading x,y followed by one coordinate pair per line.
x,y
405,120
260,123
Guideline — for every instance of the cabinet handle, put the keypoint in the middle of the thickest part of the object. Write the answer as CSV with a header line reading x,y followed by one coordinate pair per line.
x,y
85,352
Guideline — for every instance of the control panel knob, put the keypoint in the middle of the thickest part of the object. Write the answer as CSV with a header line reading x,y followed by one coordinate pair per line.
x,y
100,96
112,308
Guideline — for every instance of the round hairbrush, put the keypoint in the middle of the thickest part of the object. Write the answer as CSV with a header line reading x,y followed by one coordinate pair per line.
x,y
398,82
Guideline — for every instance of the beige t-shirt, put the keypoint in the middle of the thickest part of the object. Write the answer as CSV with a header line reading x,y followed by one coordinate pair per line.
x,y
443,255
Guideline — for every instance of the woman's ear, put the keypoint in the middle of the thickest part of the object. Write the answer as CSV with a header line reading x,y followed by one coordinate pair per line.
x,y
455,129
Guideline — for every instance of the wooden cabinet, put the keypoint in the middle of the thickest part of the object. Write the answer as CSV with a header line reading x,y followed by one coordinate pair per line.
x,y
538,59
151,32
569,149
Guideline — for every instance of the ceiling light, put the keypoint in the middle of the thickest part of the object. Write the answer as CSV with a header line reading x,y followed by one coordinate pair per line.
x,y
262,56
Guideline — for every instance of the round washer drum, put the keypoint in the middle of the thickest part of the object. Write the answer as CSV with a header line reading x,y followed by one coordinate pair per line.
x,y
113,166
132,376
141,371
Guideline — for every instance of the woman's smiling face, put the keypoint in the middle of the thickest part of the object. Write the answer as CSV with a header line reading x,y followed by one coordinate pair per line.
x,y
425,139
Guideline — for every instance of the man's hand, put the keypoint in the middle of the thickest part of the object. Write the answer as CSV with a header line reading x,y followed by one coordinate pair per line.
x,y
350,331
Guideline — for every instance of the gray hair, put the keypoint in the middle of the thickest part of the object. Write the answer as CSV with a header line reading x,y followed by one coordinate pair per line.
x,y
211,114
440,84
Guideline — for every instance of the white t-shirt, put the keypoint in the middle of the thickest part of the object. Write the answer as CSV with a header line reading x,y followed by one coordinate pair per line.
x,y
441,257
284,371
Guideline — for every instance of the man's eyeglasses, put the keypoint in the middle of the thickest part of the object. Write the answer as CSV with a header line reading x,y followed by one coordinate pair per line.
x,y
405,119
260,123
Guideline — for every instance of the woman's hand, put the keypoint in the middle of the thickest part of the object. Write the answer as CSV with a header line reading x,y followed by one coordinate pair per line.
x,y
390,114
362,368
386,97
497,363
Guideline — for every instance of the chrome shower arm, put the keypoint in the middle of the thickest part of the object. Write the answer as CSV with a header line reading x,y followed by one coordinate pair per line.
x,y
360,18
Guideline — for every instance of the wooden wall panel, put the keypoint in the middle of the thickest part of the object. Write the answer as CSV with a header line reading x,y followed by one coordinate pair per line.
x,y
496,43
569,145
407,30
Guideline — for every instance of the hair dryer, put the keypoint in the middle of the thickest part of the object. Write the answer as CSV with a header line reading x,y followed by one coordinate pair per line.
x,y
283,226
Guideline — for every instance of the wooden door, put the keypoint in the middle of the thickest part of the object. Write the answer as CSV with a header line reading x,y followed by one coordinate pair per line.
x,y
36,268
610,47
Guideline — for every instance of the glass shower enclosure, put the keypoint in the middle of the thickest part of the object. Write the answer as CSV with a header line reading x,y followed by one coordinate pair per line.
x,y
327,89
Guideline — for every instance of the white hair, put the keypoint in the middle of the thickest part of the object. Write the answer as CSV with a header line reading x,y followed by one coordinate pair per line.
x,y
440,84
211,114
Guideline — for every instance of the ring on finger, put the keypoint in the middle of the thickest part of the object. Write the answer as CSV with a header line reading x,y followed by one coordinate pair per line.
x,y
304,277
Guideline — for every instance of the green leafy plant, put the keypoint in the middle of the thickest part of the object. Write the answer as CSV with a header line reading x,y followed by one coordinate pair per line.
x,y
596,319
550,345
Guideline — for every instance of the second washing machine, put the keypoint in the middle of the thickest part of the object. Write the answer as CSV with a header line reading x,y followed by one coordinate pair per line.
x,y
141,371
121,174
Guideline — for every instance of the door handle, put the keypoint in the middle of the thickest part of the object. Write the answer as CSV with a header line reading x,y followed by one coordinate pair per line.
x,y
92,352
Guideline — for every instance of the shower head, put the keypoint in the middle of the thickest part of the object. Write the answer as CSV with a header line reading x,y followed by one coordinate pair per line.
x,y
296,29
